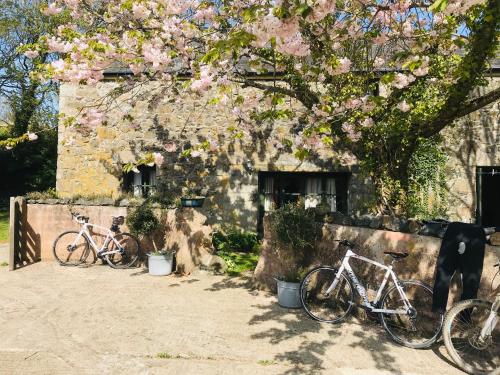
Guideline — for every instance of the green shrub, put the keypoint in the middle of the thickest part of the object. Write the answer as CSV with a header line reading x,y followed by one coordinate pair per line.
x,y
234,239
238,263
50,193
294,228
142,221
238,248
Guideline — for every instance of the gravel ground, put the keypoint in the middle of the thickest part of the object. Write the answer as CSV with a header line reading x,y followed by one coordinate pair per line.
x,y
59,320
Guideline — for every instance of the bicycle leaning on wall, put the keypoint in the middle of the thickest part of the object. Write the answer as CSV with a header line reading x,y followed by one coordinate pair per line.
x,y
119,250
471,333
404,308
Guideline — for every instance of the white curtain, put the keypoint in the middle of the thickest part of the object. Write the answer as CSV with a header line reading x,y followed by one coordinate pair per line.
x,y
137,184
152,182
331,194
313,192
268,194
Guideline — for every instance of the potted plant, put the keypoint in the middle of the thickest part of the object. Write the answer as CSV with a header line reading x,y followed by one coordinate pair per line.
x,y
143,222
191,196
294,229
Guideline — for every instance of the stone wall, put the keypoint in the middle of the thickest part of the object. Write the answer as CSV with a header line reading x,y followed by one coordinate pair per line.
x,y
185,231
90,161
472,142
419,265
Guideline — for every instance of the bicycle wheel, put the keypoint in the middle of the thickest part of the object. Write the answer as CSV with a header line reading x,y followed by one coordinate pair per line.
x,y
326,307
418,328
461,331
128,251
68,252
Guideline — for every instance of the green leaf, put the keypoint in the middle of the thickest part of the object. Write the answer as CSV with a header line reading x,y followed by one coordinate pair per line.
x,y
211,56
438,5
303,10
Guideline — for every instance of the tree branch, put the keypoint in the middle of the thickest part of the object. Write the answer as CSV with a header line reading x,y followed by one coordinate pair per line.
x,y
483,45
478,103
307,101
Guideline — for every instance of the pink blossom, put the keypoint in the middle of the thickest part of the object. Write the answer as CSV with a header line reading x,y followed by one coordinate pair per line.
x,y
140,12
205,80
195,153
321,9
402,80
213,145
277,144
343,66
32,136
351,132
51,10
158,158
403,106
57,45
378,62
367,122
31,54
170,147
421,71
136,68
92,118
155,55
293,45
58,64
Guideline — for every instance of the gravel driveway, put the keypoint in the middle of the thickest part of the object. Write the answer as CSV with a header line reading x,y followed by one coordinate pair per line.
x,y
96,320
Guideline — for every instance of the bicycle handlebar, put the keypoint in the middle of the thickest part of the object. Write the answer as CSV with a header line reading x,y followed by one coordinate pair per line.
x,y
80,218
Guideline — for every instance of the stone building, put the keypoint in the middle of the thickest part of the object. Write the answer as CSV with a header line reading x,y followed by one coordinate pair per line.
x,y
242,181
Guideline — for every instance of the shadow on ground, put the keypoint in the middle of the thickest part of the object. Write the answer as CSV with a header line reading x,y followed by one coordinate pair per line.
x,y
310,355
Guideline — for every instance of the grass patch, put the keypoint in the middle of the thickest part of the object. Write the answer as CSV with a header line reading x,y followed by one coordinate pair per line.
x,y
165,355
238,263
4,225
4,264
266,362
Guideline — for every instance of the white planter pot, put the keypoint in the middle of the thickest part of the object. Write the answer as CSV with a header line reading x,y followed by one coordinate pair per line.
x,y
288,294
160,265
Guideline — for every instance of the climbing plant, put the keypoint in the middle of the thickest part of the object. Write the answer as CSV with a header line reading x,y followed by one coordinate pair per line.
x,y
427,181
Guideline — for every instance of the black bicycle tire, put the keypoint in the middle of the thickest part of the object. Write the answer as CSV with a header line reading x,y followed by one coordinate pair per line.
x,y
449,318
395,338
86,251
303,302
131,264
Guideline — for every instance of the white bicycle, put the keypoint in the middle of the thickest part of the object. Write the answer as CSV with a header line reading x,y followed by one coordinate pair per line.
x,y
119,250
471,334
404,308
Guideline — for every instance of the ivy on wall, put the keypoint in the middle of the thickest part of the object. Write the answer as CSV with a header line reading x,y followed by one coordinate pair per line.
x,y
427,181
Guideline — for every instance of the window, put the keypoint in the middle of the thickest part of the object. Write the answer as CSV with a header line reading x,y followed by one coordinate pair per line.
x,y
326,189
488,197
142,184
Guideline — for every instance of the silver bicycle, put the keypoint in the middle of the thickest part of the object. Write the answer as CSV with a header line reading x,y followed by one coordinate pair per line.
x,y
471,335
404,308
119,250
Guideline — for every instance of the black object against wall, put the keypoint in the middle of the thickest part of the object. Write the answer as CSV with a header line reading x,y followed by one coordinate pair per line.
x,y
468,260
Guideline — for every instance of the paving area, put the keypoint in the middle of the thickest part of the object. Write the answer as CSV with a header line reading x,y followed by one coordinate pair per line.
x,y
4,253
96,320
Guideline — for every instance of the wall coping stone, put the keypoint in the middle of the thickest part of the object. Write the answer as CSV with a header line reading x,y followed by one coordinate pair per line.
x,y
96,202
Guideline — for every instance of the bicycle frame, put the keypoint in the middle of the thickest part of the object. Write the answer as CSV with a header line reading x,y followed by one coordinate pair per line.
x,y
361,289
109,237
492,320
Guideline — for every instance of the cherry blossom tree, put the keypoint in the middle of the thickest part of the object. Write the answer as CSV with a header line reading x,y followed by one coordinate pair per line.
x,y
374,77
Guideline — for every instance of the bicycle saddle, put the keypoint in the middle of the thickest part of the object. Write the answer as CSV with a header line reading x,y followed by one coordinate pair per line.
x,y
118,220
346,243
395,255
